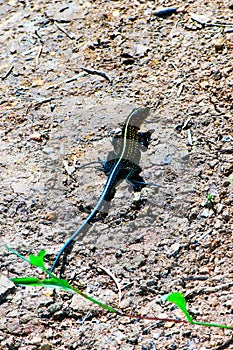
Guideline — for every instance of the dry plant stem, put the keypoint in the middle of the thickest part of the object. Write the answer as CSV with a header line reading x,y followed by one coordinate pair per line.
x,y
114,279
179,91
190,141
38,55
8,72
98,72
46,100
173,65
62,29
76,77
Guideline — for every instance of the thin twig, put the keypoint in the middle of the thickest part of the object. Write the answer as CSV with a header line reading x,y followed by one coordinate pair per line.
x,y
114,279
76,77
190,141
63,30
89,164
38,55
180,89
8,72
45,100
98,72
173,65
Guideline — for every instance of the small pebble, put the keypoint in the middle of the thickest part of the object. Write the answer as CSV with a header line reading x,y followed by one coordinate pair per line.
x,y
187,333
36,136
213,163
206,213
156,335
52,216
219,207
151,283
226,183
133,340
46,347
218,224
166,11
204,270
36,340
218,43
226,215
175,248
169,324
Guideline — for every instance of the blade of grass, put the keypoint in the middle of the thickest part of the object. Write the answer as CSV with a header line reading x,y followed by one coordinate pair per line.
x,y
206,324
55,282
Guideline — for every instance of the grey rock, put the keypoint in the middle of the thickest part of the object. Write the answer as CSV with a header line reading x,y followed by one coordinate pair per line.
x,y
6,287
206,213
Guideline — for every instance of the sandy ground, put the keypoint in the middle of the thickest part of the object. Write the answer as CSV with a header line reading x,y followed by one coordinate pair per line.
x,y
56,117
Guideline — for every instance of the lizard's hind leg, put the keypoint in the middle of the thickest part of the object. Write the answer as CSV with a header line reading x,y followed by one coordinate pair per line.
x,y
138,183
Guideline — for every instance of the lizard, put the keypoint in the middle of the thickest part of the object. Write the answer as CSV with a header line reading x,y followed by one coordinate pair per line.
x,y
122,164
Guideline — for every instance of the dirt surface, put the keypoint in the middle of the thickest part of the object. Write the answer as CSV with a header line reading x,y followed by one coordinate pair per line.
x,y
55,117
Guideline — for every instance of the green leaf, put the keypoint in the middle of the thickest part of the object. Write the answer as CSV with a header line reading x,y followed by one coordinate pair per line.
x,y
38,260
179,300
51,282
210,198
57,283
25,281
